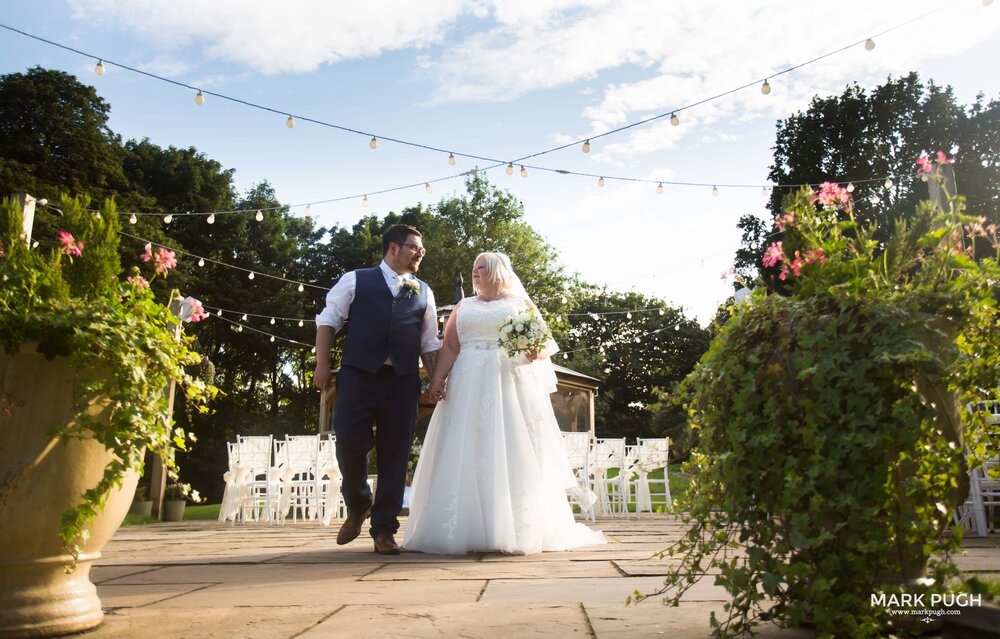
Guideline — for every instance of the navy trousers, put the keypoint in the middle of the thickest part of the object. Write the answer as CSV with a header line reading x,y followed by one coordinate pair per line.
x,y
375,411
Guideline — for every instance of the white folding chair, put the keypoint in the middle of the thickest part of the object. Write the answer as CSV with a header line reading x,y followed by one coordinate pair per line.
x,y
295,461
234,478
978,512
608,455
258,495
653,454
577,447
331,501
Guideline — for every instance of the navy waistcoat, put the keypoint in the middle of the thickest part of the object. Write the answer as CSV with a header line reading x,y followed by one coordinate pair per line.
x,y
380,325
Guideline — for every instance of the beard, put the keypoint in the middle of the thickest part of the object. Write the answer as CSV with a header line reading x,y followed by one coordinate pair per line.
x,y
414,265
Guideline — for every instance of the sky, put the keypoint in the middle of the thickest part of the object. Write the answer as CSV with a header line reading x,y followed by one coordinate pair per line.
x,y
505,79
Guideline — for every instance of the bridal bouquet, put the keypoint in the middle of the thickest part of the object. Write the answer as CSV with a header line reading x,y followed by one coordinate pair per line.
x,y
523,332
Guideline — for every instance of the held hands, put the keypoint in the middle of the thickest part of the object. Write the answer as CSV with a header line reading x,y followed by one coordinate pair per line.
x,y
436,391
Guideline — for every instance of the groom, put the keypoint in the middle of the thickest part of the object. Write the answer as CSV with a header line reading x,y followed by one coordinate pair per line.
x,y
392,321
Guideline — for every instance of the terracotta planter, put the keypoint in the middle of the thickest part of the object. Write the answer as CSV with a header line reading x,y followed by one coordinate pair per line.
x,y
173,510
39,598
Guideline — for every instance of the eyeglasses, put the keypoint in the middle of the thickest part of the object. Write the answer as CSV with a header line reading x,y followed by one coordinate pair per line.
x,y
416,249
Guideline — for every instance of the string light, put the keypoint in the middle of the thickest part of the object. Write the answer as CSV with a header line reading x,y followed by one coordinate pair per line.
x,y
876,199
586,147
715,191
524,171
869,44
99,68
290,122
301,323
763,191
250,276
201,261
888,183
510,169
850,187
210,219
272,338
364,202
765,88
132,219
373,144
309,210
218,313
451,159
674,120
600,182
244,317
659,187
301,288
168,218
428,188
260,216
272,321
199,98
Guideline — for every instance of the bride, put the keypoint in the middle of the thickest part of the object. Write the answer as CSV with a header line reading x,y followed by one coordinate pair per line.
x,y
493,473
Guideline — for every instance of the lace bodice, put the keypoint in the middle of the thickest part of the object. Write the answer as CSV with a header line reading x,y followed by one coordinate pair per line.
x,y
479,322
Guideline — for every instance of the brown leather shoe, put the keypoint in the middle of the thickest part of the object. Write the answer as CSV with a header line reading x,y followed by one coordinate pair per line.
x,y
351,528
386,545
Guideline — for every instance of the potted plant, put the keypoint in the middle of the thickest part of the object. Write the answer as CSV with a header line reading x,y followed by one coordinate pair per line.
x,y
175,497
830,442
142,505
85,360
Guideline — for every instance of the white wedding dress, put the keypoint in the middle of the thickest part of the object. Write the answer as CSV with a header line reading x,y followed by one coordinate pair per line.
x,y
493,472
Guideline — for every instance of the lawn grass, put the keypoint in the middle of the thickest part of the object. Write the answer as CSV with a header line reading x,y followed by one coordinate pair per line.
x,y
204,512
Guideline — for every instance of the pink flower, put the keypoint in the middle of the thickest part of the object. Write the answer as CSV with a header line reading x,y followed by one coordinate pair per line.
x,y
815,255
784,272
148,254
832,195
773,255
924,164
164,260
943,159
197,312
70,246
797,264
784,220
137,280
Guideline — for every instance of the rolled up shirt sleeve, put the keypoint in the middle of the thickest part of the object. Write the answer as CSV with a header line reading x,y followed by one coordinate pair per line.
x,y
338,302
429,329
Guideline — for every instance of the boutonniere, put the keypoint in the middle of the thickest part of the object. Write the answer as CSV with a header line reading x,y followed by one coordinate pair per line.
x,y
412,287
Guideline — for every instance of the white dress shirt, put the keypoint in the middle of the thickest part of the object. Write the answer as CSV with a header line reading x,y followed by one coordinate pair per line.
x,y
340,297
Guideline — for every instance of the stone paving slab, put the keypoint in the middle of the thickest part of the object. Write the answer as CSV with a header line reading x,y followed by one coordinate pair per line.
x,y
278,574
211,623
589,590
480,620
492,570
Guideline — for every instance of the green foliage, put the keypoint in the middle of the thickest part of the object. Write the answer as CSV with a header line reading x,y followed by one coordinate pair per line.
x,y
830,440
119,337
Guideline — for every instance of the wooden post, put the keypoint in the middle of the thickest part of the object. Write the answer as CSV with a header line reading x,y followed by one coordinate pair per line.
x,y
939,191
158,472
28,213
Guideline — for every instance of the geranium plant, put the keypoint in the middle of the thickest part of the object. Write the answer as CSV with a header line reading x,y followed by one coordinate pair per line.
x,y
72,302
831,448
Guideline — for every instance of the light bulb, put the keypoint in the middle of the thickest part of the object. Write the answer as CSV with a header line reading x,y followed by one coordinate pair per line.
x,y
364,202
659,187
876,199
765,88
290,122
99,69
428,188
586,147
218,313
301,288
272,321
524,171
373,144
272,338
763,191
564,300
301,323
869,44
451,159
715,191
923,177
259,217
661,311
199,99
168,218
850,187
132,219
600,182
674,120
565,355
201,261
244,318
510,169
210,219
628,315
309,210
888,183
240,329
313,350
250,276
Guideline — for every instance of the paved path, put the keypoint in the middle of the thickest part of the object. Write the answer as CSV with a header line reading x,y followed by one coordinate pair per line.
x,y
208,580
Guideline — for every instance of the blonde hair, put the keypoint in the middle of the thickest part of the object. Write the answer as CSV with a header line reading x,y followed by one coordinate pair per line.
x,y
498,270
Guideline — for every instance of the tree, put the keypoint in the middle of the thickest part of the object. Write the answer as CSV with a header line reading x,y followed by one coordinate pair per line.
x,y
860,138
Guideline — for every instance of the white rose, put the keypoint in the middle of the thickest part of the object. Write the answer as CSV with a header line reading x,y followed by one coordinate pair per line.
x,y
522,342
519,327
